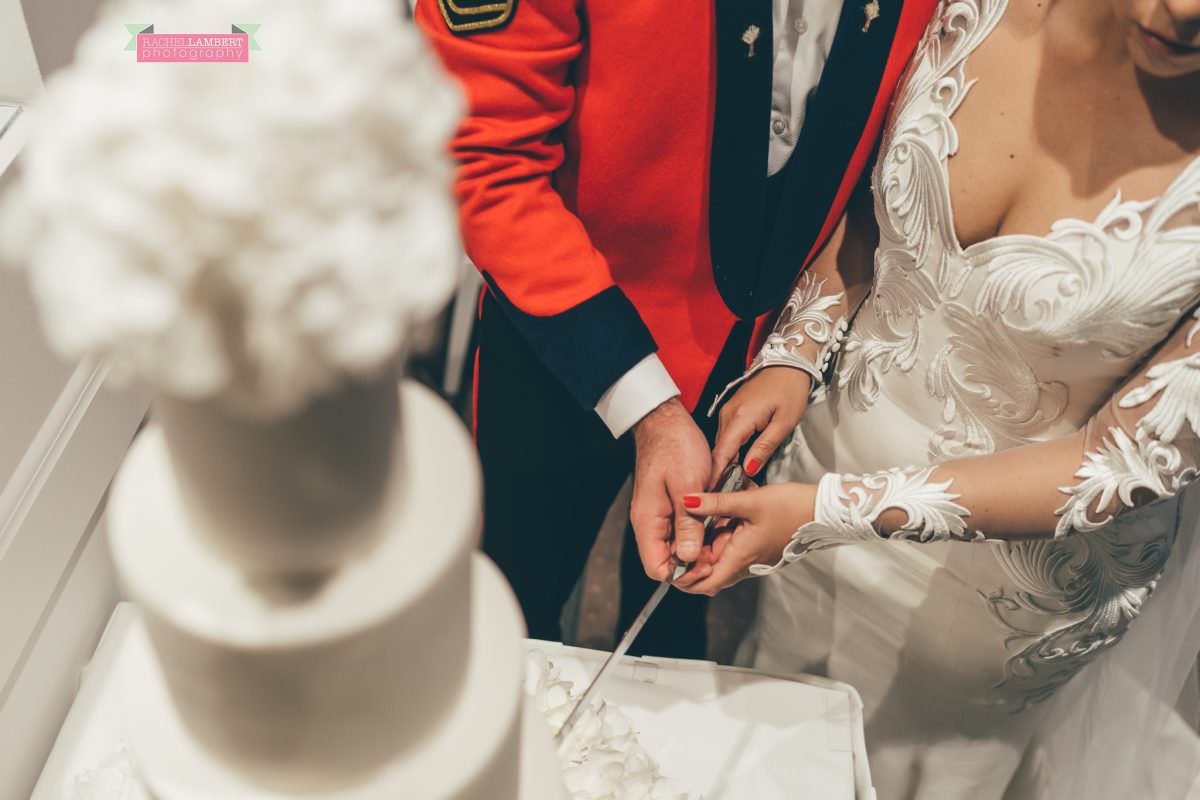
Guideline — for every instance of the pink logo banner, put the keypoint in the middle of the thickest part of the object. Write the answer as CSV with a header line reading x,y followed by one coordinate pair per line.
x,y
206,47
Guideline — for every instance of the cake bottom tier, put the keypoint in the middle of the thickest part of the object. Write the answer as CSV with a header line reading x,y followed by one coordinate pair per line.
x,y
306,691
489,746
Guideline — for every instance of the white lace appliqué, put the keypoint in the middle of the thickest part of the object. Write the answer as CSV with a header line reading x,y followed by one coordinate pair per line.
x,y
918,263
1117,469
1176,384
848,507
1159,460
985,326
1097,577
806,317
1081,289
1017,339
1098,585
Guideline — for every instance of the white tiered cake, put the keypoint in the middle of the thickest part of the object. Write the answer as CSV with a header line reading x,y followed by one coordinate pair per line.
x,y
255,242
395,675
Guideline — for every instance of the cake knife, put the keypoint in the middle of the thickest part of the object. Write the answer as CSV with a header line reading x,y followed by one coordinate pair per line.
x,y
732,480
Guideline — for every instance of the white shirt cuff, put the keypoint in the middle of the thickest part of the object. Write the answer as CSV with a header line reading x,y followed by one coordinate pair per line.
x,y
635,394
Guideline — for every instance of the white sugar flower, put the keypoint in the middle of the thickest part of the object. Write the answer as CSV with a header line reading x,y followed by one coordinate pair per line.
x,y
253,232
601,757
114,778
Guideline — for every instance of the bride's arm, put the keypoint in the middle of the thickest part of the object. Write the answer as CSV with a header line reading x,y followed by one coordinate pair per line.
x,y
775,390
1143,445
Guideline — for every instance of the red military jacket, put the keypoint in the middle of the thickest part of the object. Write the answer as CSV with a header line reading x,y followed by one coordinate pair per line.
x,y
612,168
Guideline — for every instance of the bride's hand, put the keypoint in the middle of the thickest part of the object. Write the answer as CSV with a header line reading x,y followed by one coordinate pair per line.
x,y
761,523
770,404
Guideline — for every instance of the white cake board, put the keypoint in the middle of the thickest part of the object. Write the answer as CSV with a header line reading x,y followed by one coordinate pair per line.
x,y
97,726
719,732
724,733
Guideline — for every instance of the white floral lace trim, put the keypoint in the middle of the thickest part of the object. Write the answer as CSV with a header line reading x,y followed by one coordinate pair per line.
x,y
1161,458
1177,385
1010,300
847,514
805,317
1005,304
1118,468
1096,584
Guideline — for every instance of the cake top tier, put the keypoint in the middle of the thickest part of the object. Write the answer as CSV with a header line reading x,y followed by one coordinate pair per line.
x,y
250,232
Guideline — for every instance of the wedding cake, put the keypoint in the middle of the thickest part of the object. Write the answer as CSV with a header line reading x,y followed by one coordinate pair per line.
x,y
381,664
255,242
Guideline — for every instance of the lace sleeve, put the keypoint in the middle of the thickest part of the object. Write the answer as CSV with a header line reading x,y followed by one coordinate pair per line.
x,y
809,331
1142,446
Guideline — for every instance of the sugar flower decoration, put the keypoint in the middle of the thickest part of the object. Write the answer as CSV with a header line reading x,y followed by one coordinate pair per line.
x,y
114,778
247,232
601,757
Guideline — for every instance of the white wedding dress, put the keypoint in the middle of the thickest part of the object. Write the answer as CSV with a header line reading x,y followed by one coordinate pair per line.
x,y
997,670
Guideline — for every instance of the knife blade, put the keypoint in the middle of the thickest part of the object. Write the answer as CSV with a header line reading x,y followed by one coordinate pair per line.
x,y
732,480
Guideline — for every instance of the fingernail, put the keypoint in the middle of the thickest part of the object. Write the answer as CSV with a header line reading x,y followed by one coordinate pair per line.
x,y
691,501
687,551
752,467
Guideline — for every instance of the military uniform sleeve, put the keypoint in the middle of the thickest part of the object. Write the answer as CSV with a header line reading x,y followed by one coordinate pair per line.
x,y
515,60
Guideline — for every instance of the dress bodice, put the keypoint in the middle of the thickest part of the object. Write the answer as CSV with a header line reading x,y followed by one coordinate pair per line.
x,y
1017,338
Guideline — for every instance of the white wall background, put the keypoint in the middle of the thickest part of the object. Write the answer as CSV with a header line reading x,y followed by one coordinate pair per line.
x,y
61,438
56,25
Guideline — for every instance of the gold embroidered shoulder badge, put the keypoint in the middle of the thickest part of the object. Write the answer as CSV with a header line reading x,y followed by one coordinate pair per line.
x,y
465,17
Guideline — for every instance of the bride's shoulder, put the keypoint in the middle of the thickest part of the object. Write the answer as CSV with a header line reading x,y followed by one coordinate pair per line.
x,y
1010,19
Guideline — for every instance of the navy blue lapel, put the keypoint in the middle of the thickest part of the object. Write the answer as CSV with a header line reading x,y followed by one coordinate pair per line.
x,y
742,116
757,250
834,123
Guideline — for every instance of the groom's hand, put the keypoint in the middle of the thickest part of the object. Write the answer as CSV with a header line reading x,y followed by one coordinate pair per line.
x,y
672,461
769,404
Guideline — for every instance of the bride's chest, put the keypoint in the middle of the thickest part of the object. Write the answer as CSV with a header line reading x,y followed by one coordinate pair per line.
x,y
1002,202
1028,137
1021,332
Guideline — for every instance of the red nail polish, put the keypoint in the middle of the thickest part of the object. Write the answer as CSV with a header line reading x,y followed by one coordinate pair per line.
x,y
752,467
691,501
